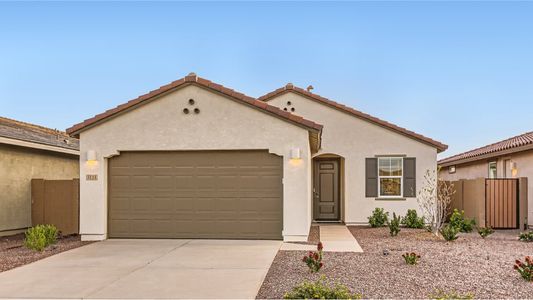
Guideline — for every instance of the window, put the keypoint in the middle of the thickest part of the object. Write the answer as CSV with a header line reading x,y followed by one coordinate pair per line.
x,y
390,176
492,170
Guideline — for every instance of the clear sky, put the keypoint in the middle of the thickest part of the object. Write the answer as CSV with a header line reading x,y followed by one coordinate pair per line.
x,y
458,72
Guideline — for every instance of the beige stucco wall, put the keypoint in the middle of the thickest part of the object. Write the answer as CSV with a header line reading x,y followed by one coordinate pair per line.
x,y
479,169
18,165
221,125
356,139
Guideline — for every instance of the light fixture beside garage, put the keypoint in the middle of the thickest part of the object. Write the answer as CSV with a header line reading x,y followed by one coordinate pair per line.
x,y
91,155
295,154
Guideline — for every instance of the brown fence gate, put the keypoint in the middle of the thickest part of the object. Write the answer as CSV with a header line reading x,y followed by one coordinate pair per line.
x,y
502,203
56,202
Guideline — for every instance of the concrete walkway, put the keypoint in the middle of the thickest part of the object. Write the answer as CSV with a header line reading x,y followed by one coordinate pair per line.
x,y
154,269
336,238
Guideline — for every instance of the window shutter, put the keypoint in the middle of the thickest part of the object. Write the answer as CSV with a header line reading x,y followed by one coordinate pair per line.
x,y
371,182
409,177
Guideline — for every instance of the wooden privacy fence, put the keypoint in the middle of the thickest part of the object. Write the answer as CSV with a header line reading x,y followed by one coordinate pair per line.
x,y
56,202
502,203
499,203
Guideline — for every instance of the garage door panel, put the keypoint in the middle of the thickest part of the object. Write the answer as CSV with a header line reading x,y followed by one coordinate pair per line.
x,y
202,194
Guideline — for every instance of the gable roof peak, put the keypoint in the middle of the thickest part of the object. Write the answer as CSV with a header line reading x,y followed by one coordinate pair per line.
x,y
358,114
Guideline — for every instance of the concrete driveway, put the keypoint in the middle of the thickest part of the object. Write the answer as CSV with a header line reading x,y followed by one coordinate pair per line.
x,y
138,269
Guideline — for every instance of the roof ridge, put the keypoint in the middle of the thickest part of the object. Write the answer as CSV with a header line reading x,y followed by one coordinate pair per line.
x,y
34,126
291,87
506,144
192,78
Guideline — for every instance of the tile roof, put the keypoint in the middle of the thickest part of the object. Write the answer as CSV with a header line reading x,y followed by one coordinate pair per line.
x,y
193,79
291,88
23,131
515,142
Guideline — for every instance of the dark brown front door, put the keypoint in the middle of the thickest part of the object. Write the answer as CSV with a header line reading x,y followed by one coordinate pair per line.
x,y
326,190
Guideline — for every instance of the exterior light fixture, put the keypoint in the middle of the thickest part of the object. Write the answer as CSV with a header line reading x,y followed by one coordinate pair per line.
x,y
514,169
295,153
451,170
91,155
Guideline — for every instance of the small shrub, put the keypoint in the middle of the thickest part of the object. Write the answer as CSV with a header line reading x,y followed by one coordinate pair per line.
x,y
320,289
526,236
459,221
485,231
411,220
525,268
40,236
411,258
449,232
314,259
394,225
442,295
378,218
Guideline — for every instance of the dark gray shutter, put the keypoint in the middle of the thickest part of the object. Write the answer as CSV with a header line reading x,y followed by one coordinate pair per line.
x,y
371,171
409,177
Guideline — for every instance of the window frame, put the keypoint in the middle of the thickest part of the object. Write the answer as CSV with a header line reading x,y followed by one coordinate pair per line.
x,y
495,163
390,176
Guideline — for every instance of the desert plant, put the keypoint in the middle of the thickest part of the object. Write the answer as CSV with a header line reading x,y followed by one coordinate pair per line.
x,y
411,258
449,232
526,236
378,218
525,268
320,289
394,225
40,236
443,295
434,199
411,220
459,221
314,259
485,231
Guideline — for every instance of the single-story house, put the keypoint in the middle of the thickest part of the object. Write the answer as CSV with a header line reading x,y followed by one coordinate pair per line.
x,y
510,158
28,151
194,159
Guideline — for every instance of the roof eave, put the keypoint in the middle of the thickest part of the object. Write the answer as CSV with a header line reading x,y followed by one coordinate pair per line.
x,y
484,156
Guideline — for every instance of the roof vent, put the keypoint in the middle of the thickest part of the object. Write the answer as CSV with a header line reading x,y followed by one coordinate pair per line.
x,y
310,88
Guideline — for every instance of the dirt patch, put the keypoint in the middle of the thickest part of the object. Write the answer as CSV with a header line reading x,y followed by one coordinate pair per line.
x,y
470,264
13,253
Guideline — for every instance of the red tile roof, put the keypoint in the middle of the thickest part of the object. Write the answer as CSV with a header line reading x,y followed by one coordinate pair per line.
x,y
514,143
291,88
193,79
27,132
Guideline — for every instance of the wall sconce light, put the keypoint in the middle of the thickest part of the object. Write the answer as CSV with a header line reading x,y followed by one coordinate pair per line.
x,y
91,155
513,168
295,153
451,170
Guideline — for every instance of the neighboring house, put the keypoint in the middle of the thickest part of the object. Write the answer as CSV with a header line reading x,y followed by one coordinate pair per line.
x,y
194,159
510,158
29,151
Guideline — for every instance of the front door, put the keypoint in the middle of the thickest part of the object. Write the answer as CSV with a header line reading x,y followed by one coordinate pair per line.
x,y
326,190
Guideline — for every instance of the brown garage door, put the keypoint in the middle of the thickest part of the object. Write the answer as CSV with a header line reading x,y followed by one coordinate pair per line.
x,y
196,194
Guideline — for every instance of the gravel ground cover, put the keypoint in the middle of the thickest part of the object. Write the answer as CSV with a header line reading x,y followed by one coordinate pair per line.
x,y
13,253
469,264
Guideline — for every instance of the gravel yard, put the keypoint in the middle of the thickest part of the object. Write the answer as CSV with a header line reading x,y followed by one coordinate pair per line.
x,y
469,264
13,253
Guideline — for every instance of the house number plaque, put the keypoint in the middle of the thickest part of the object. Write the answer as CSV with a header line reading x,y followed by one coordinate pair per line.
x,y
91,177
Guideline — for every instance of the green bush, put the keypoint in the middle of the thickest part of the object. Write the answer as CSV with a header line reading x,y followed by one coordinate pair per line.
x,y
320,290
525,268
411,258
394,225
378,218
40,236
526,236
449,232
485,231
459,221
411,220
442,295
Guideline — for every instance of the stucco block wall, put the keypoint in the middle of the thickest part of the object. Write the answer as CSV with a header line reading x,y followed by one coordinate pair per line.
x,y
222,124
18,165
355,139
479,169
